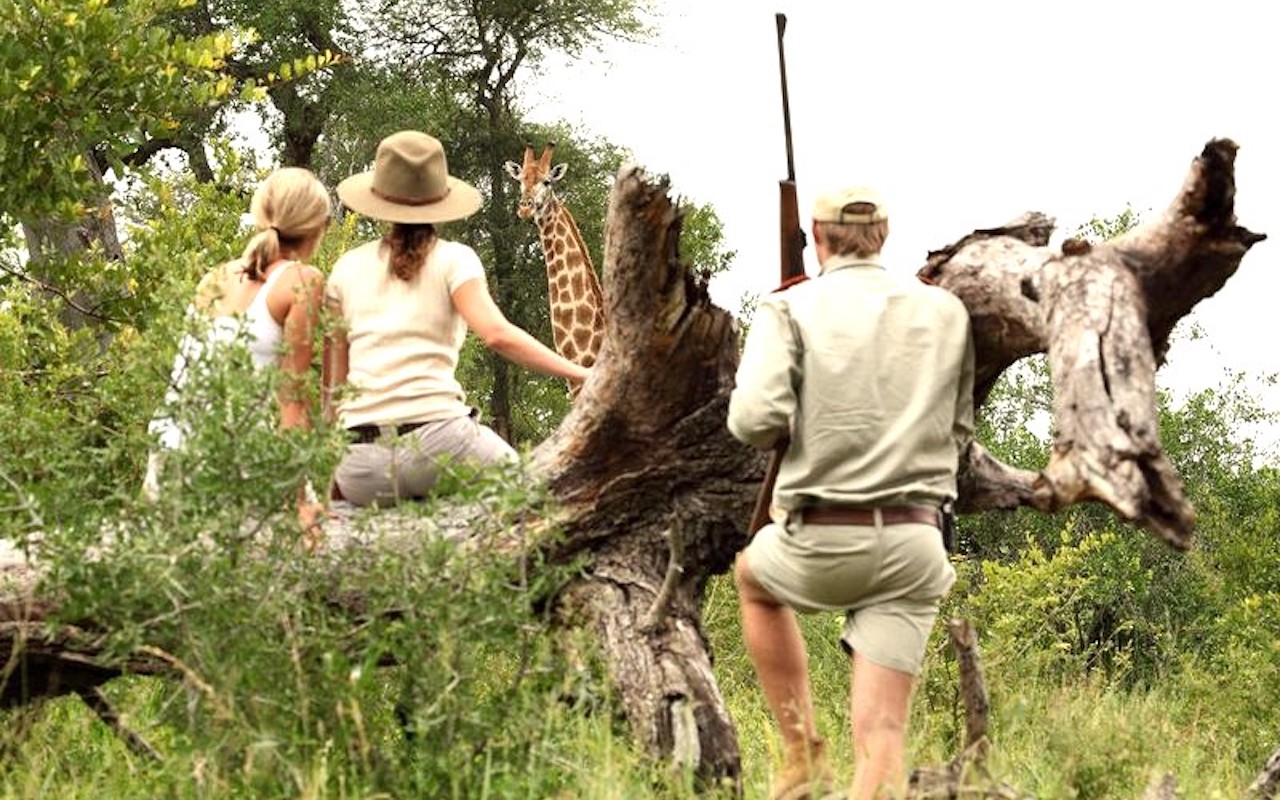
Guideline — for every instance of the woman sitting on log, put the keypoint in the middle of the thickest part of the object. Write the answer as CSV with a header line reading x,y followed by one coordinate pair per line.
x,y
404,304
271,297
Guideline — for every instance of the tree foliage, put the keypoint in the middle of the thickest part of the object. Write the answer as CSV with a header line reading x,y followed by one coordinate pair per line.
x,y
489,44
92,80
300,54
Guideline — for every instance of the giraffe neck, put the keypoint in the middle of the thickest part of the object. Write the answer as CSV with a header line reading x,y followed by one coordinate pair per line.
x,y
573,290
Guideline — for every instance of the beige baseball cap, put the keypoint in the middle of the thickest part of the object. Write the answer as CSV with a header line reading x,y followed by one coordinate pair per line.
x,y
837,206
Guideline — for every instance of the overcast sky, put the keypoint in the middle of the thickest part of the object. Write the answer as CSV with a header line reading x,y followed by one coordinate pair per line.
x,y
964,115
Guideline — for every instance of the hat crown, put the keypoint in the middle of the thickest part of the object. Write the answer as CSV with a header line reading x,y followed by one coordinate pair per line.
x,y
410,167
849,205
410,184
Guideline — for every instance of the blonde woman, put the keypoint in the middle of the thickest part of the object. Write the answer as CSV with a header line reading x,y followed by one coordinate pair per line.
x,y
271,294
405,303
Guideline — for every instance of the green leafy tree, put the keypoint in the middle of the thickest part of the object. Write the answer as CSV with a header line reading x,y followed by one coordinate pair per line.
x,y
90,89
85,82
702,241
299,53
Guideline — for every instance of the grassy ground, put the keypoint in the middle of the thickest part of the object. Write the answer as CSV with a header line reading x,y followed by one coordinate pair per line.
x,y
1072,739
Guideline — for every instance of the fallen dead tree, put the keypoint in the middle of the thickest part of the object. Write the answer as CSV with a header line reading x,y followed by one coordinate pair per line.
x,y
654,495
1104,314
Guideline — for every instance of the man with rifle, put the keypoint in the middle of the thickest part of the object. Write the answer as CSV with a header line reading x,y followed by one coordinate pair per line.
x,y
862,382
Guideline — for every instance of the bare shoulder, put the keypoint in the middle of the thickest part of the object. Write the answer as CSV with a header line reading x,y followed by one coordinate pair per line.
x,y
215,287
302,281
305,275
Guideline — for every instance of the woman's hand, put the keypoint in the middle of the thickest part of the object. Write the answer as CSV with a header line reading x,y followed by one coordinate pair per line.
x,y
311,516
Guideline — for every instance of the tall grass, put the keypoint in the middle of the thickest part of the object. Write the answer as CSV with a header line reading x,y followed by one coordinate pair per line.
x,y
1081,737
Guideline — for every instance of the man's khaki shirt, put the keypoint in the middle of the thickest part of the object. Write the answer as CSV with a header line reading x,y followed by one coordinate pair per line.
x,y
871,377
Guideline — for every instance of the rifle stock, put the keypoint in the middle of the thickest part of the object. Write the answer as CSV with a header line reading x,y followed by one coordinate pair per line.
x,y
790,234
764,498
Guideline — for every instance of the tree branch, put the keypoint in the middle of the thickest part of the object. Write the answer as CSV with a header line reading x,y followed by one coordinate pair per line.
x,y
61,293
1103,314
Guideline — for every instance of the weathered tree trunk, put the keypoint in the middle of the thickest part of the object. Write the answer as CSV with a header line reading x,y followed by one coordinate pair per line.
x,y
1104,314
55,240
645,449
652,484
656,495
1267,785
301,126
967,774
973,687
52,241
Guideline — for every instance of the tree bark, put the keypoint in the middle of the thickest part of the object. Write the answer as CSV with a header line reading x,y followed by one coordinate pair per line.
x,y
652,484
1104,314
57,240
1267,785
52,242
656,495
302,124
973,687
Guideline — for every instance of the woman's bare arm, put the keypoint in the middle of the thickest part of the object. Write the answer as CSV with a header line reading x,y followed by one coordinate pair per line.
x,y
475,304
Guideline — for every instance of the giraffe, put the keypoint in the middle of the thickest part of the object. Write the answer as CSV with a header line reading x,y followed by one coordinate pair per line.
x,y
573,290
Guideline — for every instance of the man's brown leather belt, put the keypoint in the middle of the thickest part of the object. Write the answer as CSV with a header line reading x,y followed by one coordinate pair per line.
x,y
892,515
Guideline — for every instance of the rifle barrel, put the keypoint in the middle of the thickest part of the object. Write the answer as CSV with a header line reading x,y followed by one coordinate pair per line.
x,y
781,20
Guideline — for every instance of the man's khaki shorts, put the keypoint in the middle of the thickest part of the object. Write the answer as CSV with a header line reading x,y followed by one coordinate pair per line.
x,y
888,580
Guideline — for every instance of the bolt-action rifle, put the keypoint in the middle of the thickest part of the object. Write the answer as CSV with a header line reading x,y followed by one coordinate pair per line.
x,y
791,260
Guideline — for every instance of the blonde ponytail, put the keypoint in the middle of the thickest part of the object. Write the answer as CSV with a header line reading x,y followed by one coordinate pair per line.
x,y
261,252
288,207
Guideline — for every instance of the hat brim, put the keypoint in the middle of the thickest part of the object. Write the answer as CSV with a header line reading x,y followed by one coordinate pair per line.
x,y
461,201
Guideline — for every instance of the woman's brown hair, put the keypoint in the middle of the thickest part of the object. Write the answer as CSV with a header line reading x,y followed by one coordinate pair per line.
x,y
409,247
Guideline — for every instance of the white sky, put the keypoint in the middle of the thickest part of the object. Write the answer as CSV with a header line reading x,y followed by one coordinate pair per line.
x,y
964,115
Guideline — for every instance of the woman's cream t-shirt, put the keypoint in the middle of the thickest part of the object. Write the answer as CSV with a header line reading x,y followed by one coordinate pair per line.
x,y
403,336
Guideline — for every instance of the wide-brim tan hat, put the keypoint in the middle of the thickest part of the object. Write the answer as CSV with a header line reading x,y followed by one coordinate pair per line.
x,y
410,183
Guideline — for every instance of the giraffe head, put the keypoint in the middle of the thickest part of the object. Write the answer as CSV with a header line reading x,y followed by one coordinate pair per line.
x,y
536,178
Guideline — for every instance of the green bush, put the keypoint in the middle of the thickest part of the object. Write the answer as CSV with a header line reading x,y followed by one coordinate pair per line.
x,y
419,669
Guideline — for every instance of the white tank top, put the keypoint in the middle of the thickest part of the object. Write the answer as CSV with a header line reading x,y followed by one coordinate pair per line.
x,y
264,332
263,337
